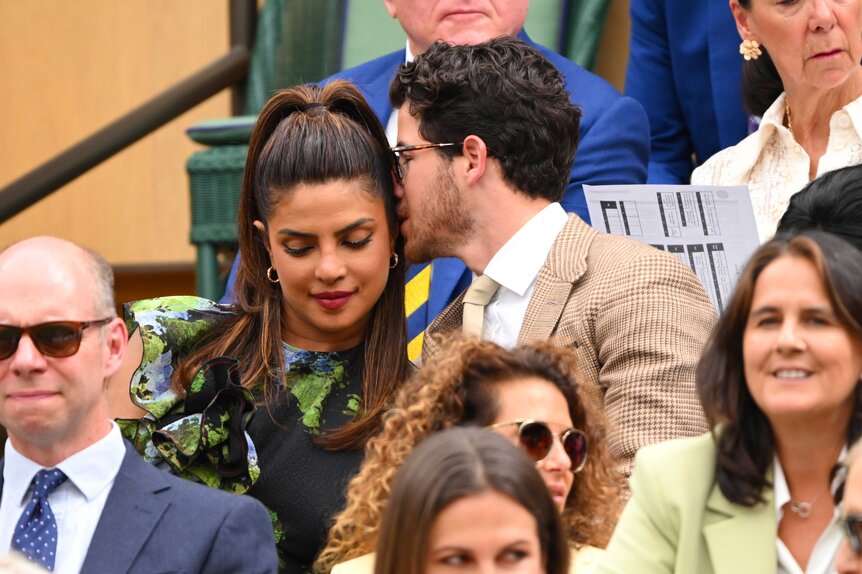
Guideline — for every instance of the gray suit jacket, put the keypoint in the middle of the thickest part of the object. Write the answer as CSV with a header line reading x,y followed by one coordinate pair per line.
x,y
155,522
636,319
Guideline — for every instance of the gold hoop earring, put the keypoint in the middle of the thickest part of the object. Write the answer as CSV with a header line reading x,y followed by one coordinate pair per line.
x,y
393,261
750,49
270,273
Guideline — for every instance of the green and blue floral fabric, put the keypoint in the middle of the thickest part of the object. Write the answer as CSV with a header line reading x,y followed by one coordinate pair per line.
x,y
201,435
211,433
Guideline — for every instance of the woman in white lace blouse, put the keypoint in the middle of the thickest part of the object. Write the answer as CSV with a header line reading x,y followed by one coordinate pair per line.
x,y
802,75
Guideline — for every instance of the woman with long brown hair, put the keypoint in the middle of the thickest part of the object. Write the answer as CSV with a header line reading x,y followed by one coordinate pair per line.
x,y
317,338
780,386
530,395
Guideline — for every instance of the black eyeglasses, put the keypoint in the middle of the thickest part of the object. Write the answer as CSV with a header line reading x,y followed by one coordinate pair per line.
x,y
537,439
852,526
399,149
54,339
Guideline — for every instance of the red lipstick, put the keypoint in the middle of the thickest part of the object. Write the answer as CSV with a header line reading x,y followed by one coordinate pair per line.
x,y
333,300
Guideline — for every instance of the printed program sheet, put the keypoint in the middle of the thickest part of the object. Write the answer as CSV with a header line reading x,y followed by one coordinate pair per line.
x,y
710,229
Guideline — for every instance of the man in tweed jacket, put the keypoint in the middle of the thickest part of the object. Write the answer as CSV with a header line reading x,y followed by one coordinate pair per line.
x,y
486,140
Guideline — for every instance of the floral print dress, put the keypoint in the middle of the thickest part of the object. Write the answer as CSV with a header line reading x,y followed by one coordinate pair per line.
x,y
229,437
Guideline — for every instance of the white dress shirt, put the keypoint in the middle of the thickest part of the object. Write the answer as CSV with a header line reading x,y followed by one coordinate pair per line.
x,y
822,560
515,267
77,503
775,167
392,124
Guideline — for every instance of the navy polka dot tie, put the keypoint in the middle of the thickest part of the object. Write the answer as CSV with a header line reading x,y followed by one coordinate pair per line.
x,y
36,532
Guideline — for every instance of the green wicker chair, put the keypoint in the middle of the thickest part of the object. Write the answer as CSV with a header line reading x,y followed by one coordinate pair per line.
x,y
215,179
296,41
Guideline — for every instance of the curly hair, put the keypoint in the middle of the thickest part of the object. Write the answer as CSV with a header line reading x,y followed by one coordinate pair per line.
x,y
505,92
457,388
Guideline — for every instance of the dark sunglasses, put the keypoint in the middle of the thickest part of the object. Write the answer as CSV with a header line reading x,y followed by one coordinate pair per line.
x,y
54,339
852,526
537,439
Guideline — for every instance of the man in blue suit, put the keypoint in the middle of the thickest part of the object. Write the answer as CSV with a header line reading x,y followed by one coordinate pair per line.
x,y
685,68
614,134
76,497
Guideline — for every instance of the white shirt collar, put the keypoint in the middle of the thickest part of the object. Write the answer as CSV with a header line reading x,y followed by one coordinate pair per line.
x,y
91,470
774,115
517,264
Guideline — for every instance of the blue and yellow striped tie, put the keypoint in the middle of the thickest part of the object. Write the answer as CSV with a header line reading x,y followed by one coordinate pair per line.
x,y
416,306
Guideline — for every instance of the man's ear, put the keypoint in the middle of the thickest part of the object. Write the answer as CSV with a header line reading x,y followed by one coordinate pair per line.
x,y
263,234
391,8
116,341
475,152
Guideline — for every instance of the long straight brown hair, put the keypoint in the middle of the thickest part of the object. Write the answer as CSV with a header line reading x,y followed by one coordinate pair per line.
x,y
311,134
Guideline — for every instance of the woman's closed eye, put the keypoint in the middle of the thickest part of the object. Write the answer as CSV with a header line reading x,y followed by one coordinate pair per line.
x,y
357,242
297,250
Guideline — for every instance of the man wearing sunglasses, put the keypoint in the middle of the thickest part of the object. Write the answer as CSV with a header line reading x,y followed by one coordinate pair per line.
x,y
75,497
487,135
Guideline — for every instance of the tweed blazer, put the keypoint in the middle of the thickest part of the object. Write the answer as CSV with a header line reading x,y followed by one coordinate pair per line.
x,y
636,319
677,519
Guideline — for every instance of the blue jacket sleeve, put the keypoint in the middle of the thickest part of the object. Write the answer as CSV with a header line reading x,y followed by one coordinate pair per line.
x,y
650,80
612,150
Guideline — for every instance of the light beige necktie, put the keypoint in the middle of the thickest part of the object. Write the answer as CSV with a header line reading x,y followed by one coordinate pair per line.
x,y
477,296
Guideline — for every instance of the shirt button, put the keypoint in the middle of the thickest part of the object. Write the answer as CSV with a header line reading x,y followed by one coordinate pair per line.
x,y
844,119
797,150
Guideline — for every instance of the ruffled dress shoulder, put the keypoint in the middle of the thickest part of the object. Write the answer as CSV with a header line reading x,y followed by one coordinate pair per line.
x,y
237,439
200,434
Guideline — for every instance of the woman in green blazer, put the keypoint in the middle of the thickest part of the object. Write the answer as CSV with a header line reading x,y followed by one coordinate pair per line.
x,y
779,382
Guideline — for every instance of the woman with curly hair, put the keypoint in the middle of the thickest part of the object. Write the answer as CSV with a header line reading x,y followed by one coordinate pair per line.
x,y
529,394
